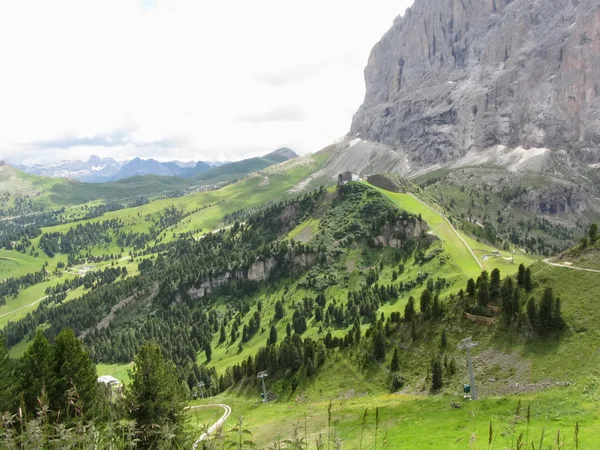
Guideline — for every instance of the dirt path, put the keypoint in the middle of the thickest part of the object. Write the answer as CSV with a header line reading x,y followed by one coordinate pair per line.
x,y
547,261
467,246
214,426
23,307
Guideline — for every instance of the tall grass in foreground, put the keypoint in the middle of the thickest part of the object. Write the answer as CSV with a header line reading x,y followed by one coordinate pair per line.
x,y
40,433
511,437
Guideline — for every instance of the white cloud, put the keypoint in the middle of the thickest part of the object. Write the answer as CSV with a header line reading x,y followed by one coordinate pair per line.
x,y
181,79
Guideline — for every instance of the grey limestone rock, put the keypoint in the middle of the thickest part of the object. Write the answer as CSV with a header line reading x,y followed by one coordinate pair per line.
x,y
456,76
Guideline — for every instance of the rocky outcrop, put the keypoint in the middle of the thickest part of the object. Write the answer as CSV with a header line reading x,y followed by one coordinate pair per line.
x,y
402,232
260,270
454,76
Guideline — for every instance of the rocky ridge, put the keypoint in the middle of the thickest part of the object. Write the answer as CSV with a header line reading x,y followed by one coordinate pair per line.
x,y
457,76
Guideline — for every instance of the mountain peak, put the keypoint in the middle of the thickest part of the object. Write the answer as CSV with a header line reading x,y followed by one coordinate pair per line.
x,y
451,77
281,154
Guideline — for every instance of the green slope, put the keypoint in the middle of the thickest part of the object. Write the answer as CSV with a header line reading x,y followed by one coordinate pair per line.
x,y
511,365
238,169
22,193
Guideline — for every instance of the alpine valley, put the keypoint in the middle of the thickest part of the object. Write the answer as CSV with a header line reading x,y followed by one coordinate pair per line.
x,y
430,280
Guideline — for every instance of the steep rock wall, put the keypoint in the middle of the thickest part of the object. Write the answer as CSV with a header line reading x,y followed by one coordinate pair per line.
x,y
452,76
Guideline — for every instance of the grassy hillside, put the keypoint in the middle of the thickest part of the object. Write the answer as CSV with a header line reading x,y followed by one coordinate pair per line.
x,y
200,213
533,211
358,256
23,193
238,169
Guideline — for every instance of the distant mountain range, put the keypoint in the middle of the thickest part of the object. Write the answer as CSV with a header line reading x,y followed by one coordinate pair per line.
x,y
102,170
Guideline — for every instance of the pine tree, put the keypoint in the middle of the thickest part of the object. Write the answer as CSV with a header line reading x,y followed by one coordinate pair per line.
x,y
395,364
409,309
74,369
483,290
425,303
185,390
154,396
471,288
8,397
436,308
452,367
495,285
378,342
279,311
413,329
310,367
506,295
436,374
37,371
521,276
558,321
532,313
527,283
516,302
545,313
208,351
222,336
443,340
273,335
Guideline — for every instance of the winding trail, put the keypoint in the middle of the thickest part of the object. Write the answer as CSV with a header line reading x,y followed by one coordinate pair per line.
x,y
23,307
214,426
547,261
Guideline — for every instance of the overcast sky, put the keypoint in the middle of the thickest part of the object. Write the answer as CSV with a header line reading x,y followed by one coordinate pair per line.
x,y
187,80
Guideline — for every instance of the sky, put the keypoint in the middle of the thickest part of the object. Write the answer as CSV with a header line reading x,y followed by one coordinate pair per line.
x,y
181,80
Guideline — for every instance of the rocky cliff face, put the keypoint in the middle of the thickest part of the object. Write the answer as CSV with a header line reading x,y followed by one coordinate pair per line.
x,y
260,270
454,76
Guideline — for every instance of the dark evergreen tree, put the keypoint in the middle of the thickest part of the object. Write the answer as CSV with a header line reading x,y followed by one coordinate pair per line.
x,y
545,313
409,309
495,285
558,321
425,303
436,308
8,385
208,351
437,380
37,372
527,283
279,311
378,342
521,276
154,397
395,364
483,289
74,372
532,313
273,335
506,295
471,288
443,339
223,335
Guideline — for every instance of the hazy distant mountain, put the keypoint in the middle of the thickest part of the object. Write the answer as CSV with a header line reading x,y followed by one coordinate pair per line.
x,y
95,169
281,154
138,166
186,170
101,170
